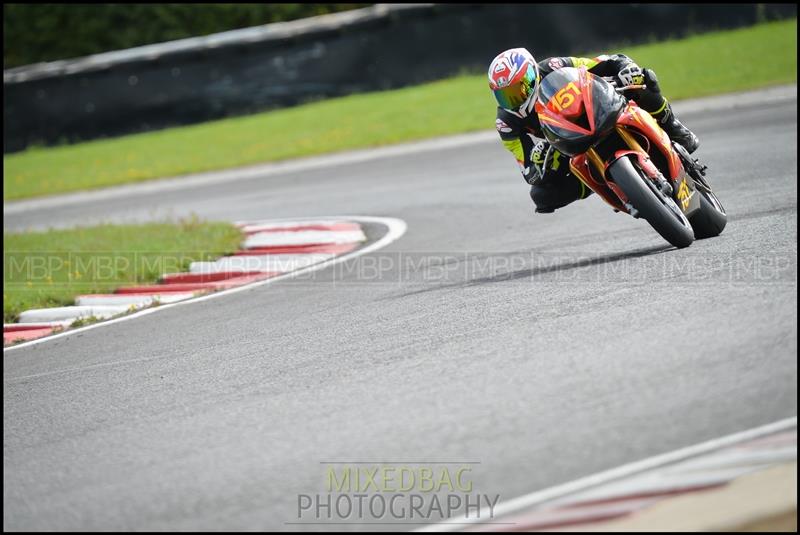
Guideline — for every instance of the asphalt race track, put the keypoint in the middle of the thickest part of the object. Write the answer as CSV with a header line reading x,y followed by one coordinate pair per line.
x,y
543,347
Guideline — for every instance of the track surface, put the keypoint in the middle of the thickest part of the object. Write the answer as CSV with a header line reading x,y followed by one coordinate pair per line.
x,y
217,415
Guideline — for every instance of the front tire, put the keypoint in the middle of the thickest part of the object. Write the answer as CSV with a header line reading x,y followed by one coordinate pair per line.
x,y
660,211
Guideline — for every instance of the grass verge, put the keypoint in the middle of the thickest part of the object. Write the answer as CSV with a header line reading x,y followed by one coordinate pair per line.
x,y
711,63
46,269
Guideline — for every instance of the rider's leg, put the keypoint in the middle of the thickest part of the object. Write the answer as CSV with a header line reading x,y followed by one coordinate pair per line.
x,y
654,102
557,193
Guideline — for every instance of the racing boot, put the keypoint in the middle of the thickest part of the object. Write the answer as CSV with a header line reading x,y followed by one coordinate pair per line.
x,y
675,130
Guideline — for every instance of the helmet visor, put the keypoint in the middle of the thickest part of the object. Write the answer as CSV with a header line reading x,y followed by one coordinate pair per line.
x,y
511,97
514,95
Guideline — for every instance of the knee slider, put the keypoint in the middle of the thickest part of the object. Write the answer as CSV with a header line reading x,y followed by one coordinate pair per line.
x,y
541,196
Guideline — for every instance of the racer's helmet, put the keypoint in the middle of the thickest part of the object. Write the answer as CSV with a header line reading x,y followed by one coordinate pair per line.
x,y
514,79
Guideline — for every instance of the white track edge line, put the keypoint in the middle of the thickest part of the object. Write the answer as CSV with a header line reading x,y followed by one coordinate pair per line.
x,y
541,496
397,227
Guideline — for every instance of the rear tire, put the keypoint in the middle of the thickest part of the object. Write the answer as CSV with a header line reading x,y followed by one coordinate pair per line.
x,y
710,220
652,205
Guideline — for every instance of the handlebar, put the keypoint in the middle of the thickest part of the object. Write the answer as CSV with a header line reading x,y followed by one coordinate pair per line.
x,y
613,81
627,87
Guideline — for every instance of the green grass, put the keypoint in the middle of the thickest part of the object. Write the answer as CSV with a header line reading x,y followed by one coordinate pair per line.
x,y
706,64
50,268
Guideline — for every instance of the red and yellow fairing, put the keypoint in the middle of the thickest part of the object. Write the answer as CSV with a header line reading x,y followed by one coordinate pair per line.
x,y
571,102
638,119
591,169
580,167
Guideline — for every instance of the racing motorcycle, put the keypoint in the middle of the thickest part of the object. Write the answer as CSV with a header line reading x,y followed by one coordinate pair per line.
x,y
620,152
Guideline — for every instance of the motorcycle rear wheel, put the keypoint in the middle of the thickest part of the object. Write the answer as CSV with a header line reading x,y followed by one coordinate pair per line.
x,y
660,211
710,220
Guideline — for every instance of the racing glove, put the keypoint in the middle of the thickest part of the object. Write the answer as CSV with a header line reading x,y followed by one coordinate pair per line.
x,y
631,74
542,156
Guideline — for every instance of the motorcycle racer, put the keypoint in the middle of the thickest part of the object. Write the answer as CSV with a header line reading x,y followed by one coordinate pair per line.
x,y
514,76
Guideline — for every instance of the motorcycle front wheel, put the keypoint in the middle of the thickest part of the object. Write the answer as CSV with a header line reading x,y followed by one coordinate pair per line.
x,y
659,210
